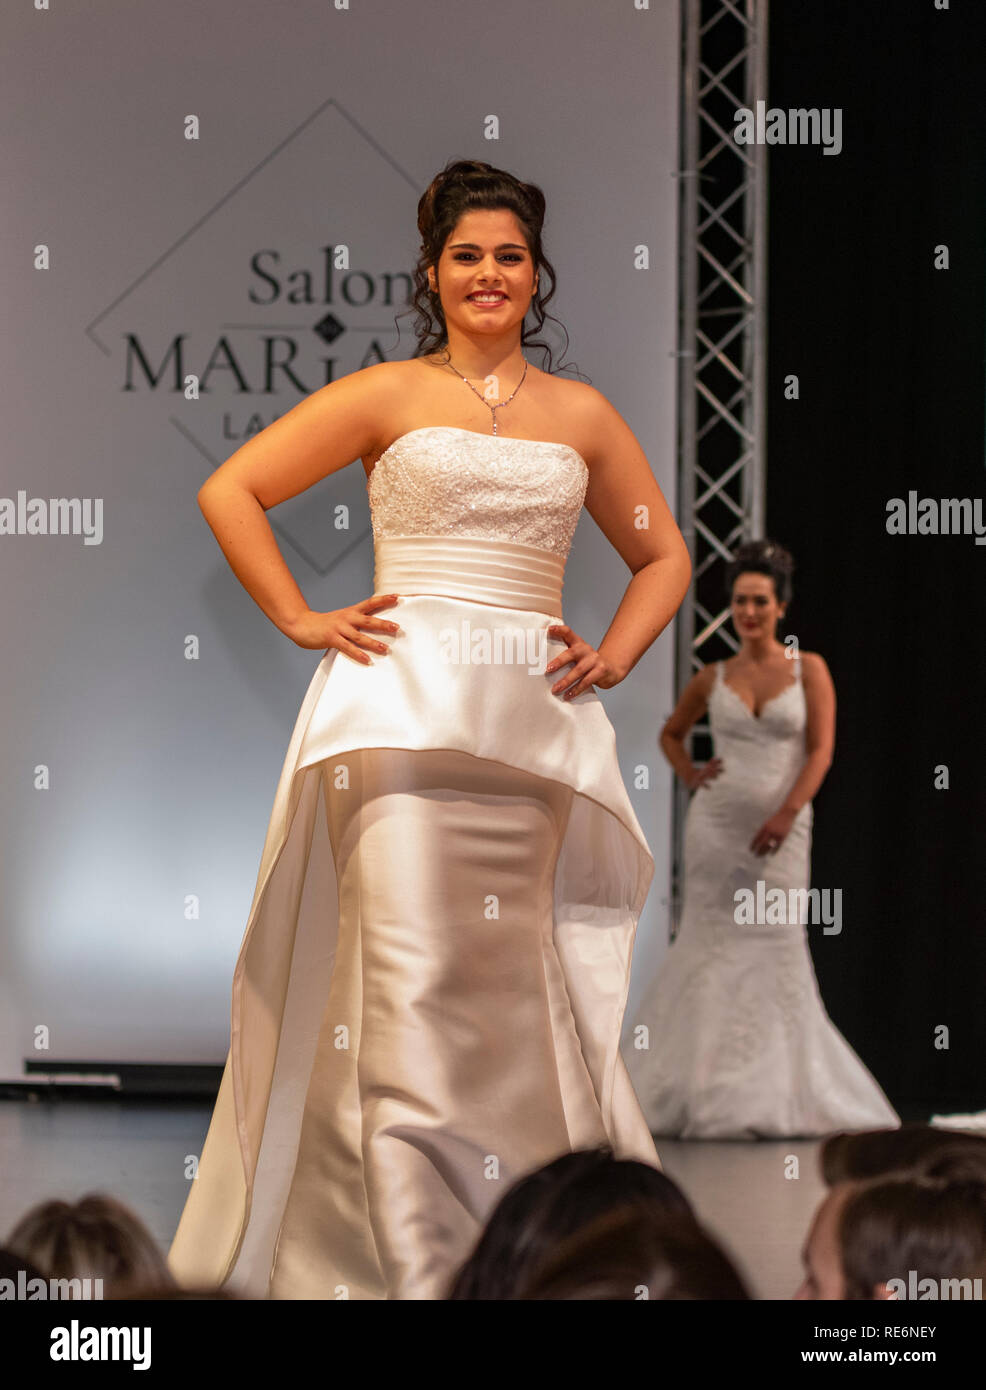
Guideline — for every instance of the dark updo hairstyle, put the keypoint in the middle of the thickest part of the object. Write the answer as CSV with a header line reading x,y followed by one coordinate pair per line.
x,y
857,1156
465,185
762,557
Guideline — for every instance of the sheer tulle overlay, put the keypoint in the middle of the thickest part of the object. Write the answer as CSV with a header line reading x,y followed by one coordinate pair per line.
x,y
428,999
738,1041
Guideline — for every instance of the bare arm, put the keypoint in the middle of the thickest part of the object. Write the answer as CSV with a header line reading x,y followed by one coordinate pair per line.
x,y
627,505
689,710
322,434
819,731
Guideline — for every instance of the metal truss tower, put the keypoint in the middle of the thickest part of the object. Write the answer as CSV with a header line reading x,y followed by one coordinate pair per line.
x,y
722,333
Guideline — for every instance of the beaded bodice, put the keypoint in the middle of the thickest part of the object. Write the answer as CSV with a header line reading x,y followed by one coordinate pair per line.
x,y
443,481
761,754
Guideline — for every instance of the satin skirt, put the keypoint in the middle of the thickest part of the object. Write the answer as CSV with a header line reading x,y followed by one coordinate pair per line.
x,y
436,1077
429,996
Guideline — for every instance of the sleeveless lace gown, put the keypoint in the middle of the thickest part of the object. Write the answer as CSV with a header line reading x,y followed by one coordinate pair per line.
x,y
428,999
740,1045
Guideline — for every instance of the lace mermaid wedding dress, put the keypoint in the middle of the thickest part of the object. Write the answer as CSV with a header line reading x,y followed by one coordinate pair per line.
x,y
740,1045
428,999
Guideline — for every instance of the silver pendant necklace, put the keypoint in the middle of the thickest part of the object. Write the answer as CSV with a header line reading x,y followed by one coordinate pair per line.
x,y
500,404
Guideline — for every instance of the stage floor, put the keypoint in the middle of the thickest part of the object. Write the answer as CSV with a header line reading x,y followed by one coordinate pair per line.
x,y
136,1152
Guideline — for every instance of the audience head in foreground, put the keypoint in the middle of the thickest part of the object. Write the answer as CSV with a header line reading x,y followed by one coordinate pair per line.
x,y
95,1238
914,1233
636,1253
549,1211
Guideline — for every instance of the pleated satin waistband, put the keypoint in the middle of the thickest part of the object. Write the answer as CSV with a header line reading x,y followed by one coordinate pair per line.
x,y
508,573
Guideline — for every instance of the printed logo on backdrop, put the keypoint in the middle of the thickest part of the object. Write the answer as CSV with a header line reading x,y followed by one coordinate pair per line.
x,y
289,281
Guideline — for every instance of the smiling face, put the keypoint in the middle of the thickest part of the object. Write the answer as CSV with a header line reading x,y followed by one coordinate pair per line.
x,y
755,608
486,275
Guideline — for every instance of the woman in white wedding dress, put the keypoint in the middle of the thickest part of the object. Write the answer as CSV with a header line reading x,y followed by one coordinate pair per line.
x,y
732,1040
428,999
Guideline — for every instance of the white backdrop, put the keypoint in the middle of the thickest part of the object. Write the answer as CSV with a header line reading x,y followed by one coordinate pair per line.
x,y
318,126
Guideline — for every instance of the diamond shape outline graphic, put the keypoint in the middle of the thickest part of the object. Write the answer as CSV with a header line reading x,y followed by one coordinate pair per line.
x,y
335,327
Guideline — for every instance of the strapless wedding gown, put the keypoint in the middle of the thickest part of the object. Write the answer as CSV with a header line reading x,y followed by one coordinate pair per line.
x,y
733,1041
428,999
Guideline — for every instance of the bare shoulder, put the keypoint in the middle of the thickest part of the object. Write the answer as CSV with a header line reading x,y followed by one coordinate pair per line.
x,y
577,396
693,701
603,433
705,679
812,662
814,669
375,393
385,378
321,435
393,384
585,403
369,386
700,685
